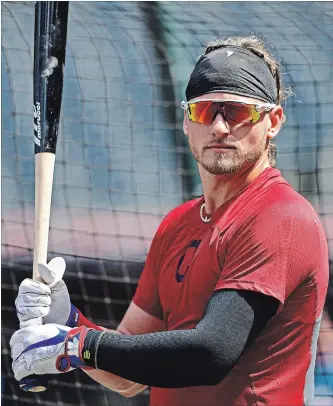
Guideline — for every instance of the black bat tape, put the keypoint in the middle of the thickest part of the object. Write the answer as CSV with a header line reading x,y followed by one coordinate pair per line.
x,y
34,383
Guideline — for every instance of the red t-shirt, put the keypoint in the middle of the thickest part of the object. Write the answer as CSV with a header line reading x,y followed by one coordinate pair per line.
x,y
267,239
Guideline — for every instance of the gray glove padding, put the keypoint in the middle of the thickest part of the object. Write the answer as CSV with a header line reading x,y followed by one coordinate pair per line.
x,y
47,302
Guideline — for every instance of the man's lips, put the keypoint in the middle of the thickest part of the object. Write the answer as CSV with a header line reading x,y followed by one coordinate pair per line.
x,y
220,146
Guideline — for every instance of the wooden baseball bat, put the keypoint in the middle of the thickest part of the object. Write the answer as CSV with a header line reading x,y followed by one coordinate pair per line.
x,y
51,19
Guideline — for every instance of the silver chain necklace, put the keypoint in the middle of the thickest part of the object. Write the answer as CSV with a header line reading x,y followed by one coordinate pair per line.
x,y
204,219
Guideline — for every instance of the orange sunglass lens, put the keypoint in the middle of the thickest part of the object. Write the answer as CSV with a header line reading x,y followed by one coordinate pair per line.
x,y
205,112
240,113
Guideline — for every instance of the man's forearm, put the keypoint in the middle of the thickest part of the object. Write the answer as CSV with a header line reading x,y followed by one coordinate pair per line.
x,y
171,359
113,382
181,358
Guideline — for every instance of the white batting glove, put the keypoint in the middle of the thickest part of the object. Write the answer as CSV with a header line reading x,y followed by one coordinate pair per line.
x,y
47,349
47,302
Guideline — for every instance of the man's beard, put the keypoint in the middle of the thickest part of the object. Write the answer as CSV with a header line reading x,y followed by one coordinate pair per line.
x,y
231,161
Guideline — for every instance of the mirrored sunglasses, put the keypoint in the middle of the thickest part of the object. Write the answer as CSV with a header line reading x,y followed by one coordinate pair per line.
x,y
234,112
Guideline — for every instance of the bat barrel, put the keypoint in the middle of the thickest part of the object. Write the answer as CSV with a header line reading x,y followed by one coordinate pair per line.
x,y
51,19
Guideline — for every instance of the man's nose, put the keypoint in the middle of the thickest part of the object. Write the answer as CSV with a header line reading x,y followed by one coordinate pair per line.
x,y
220,127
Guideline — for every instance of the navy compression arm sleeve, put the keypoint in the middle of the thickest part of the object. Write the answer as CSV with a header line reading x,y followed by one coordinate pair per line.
x,y
182,358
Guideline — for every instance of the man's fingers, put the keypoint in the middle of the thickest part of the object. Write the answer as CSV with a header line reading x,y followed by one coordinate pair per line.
x,y
32,306
25,313
32,300
20,370
31,286
15,340
52,272
37,321
17,347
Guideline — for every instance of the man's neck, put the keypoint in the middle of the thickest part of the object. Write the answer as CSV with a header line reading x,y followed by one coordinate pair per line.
x,y
218,189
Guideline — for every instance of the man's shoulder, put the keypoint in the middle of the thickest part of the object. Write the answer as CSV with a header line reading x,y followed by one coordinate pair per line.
x,y
273,203
178,214
275,193
284,211
180,211
284,201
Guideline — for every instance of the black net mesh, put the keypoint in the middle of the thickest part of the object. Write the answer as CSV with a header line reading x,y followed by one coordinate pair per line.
x,y
122,161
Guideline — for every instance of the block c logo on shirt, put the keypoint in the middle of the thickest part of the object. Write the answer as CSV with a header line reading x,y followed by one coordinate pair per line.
x,y
186,260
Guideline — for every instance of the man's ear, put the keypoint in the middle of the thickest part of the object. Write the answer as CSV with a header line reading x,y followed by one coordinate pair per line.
x,y
276,118
185,123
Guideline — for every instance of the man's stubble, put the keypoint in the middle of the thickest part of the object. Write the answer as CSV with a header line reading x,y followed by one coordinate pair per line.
x,y
232,160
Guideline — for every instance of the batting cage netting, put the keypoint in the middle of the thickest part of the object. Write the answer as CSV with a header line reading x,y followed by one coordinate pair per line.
x,y
122,160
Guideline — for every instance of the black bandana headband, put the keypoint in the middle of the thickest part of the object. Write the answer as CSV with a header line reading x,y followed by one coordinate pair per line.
x,y
232,69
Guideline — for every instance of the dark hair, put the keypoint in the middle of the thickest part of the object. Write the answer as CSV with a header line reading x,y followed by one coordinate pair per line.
x,y
258,47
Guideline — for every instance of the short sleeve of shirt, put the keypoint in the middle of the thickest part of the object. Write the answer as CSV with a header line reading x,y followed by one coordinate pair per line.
x,y
272,250
146,295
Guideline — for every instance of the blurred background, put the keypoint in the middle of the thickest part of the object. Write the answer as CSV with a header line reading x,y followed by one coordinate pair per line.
x,y
122,160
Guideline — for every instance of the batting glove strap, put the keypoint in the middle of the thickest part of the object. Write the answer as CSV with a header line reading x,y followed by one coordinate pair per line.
x,y
72,357
77,319
73,317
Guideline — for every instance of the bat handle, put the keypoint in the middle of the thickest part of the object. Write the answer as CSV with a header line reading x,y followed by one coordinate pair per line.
x,y
34,383
43,192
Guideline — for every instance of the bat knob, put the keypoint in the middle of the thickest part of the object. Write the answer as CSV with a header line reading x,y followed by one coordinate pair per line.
x,y
34,383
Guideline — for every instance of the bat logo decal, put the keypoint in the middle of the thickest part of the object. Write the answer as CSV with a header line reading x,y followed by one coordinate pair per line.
x,y
37,125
